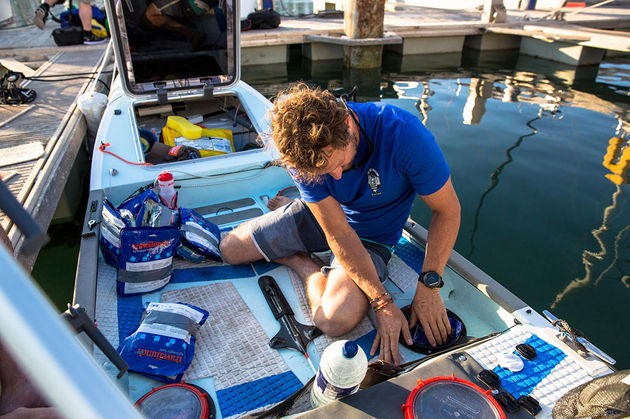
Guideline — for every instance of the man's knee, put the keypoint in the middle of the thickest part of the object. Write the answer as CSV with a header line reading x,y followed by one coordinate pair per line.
x,y
238,247
228,248
336,323
335,326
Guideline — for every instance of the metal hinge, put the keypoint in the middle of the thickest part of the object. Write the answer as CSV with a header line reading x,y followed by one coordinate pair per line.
x,y
160,86
208,88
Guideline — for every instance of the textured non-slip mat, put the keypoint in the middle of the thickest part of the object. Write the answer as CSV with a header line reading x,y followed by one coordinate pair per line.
x,y
363,328
550,377
233,348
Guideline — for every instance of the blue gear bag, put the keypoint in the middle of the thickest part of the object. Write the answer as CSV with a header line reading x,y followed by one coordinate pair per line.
x,y
199,234
146,258
135,205
164,344
111,225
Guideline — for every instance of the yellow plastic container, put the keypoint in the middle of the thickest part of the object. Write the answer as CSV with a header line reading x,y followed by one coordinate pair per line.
x,y
184,127
169,135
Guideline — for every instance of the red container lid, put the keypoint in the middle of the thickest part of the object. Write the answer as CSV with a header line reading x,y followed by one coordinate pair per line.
x,y
177,401
165,177
448,397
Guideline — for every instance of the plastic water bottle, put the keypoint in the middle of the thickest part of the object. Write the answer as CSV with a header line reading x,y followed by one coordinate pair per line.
x,y
167,189
341,370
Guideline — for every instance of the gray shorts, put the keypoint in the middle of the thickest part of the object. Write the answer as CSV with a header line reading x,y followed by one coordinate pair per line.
x,y
293,228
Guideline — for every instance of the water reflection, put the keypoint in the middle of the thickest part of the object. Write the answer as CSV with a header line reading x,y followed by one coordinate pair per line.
x,y
613,257
617,160
604,262
540,130
479,91
494,181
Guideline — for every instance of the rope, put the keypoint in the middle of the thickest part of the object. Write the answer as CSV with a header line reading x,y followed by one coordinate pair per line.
x,y
563,326
103,146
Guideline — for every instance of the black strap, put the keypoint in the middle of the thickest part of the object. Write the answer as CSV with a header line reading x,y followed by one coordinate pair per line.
x,y
11,94
144,276
172,319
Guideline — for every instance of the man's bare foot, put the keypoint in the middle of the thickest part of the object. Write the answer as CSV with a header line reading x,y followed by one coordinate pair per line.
x,y
296,261
301,263
277,202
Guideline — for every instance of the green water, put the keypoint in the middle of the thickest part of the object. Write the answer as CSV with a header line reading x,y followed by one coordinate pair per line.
x,y
525,140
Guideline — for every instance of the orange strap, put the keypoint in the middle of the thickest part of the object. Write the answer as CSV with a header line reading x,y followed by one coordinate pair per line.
x,y
103,146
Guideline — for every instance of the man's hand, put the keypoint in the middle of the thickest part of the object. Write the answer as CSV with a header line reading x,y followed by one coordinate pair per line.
x,y
428,307
390,321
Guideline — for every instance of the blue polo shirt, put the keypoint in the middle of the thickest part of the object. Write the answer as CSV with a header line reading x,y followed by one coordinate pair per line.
x,y
377,196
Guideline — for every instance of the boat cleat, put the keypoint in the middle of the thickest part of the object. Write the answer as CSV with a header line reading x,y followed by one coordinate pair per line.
x,y
582,345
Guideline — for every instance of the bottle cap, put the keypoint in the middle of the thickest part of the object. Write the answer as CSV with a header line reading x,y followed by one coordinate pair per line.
x,y
165,177
350,349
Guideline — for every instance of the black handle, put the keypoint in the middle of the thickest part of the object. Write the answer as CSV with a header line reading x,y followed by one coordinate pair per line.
x,y
81,322
277,303
36,236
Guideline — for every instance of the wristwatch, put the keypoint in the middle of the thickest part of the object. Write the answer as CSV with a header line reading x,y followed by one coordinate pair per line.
x,y
431,279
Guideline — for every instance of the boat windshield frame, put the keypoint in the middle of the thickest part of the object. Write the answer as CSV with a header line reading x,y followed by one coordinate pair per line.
x,y
195,70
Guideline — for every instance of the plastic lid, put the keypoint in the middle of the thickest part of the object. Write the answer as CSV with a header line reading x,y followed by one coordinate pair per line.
x,y
450,397
350,349
165,177
181,401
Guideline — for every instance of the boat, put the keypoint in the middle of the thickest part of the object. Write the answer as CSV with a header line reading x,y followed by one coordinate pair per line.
x,y
161,74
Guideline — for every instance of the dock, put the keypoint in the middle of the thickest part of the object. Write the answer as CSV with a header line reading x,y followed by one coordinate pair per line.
x,y
41,140
412,30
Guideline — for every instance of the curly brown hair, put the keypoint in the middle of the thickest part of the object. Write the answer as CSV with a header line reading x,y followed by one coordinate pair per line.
x,y
305,121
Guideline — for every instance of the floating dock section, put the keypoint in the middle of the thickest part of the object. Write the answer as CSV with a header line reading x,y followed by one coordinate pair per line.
x,y
39,141
580,39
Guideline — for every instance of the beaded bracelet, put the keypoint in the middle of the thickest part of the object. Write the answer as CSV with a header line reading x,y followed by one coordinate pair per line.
x,y
383,305
375,299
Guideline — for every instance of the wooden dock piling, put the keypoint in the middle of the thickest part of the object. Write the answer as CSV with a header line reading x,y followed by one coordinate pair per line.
x,y
364,19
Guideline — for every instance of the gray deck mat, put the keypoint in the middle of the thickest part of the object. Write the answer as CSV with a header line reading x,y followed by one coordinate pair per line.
x,y
401,274
106,311
232,346
106,316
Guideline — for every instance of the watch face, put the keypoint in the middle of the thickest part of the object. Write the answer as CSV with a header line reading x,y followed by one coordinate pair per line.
x,y
431,279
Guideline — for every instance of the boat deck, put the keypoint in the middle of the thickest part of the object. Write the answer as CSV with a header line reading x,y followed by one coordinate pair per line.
x,y
232,353
233,360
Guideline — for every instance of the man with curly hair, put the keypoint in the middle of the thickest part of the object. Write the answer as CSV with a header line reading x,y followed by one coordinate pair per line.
x,y
358,167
